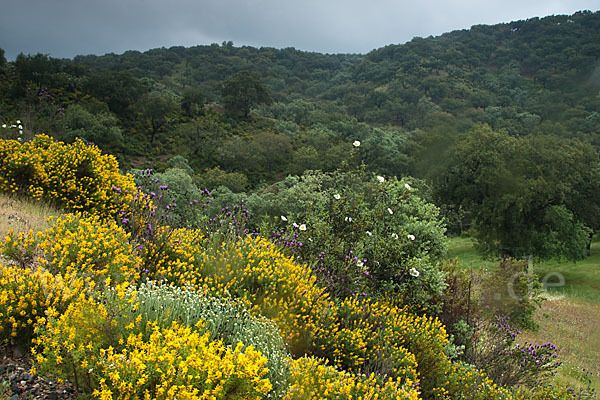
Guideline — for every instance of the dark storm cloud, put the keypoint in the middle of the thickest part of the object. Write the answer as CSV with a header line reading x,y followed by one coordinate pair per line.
x,y
65,28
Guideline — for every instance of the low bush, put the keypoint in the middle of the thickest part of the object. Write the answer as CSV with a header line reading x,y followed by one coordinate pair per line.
x,y
75,176
77,246
511,363
312,378
222,318
26,295
89,346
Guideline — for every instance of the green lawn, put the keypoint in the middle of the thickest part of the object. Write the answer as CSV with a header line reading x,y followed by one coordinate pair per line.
x,y
581,279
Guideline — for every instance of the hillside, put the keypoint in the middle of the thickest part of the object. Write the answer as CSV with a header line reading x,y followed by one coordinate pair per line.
x,y
308,197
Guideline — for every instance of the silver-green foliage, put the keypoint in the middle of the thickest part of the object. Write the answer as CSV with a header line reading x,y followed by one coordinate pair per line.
x,y
224,318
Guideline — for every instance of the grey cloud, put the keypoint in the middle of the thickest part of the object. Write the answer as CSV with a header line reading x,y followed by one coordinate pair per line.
x,y
65,28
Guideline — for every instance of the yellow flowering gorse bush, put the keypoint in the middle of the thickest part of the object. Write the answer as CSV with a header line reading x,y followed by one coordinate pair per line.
x,y
87,346
25,296
464,381
90,247
180,363
76,176
253,270
313,379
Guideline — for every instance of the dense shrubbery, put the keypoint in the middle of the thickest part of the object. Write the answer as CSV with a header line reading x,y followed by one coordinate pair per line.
x,y
77,177
312,378
119,345
225,319
369,235
27,295
362,234
231,306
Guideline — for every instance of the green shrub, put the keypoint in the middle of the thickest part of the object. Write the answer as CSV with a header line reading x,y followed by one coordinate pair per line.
x,y
87,346
514,290
368,235
223,319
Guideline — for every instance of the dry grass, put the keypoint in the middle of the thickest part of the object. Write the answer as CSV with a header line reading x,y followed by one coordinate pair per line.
x,y
21,215
574,326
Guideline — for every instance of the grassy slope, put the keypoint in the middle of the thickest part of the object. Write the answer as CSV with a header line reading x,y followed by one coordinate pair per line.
x,y
570,318
22,215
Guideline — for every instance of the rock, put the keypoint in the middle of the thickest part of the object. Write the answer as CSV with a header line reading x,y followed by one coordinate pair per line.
x,y
19,352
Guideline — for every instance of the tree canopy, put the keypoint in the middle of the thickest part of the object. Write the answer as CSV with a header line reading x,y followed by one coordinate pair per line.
x,y
527,195
244,91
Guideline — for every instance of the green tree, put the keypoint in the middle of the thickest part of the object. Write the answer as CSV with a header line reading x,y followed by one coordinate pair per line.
x,y
244,91
528,196
155,108
120,90
101,128
2,59
192,102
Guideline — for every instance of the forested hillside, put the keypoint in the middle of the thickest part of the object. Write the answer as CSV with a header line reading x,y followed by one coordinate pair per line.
x,y
407,104
313,195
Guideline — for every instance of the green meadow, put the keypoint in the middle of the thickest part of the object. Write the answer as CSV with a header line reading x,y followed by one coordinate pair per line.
x,y
570,316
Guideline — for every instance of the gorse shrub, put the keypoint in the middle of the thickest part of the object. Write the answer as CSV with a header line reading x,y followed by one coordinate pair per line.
x,y
222,318
68,346
89,346
382,338
179,363
76,245
77,176
463,381
26,294
253,270
312,378
22,247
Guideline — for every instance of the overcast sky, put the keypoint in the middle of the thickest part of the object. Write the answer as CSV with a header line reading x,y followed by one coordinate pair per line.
x,y
66,28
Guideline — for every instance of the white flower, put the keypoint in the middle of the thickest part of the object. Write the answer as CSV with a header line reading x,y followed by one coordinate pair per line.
x,y
283,218
4,125
394,236
348,219
20,126
411,237
369,233
380,178
390,211
20,132
359,263
295,225
413,271
302,227
337,196
407,186
18,121
356,143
